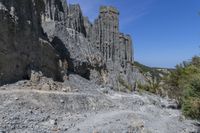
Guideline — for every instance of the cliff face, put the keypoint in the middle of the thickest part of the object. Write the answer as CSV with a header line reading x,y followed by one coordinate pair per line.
x,y
48,38
44,35
52,37
69,34
23,46
114,46
75,19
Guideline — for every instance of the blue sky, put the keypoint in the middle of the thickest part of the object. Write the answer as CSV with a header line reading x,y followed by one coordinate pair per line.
x,y
164,32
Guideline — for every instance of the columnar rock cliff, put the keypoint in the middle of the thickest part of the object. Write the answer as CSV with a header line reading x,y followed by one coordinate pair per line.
x,y
115,47
46,40
105,35
76,19
52,37
106,28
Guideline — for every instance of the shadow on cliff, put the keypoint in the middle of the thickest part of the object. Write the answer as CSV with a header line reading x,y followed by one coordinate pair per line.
x,y
23,45
81,68
63,52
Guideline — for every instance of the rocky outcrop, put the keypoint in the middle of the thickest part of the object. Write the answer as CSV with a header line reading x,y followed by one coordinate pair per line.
x,y
75,19
125,50
115,46
68,36
54,10
106,29
62,41
23,45
88,28
47,36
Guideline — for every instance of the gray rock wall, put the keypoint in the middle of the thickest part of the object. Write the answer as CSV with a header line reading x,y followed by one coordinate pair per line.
x,y
106,30
52,37
125,53
75,19
70,34
88,28
114,46
54,10
23,45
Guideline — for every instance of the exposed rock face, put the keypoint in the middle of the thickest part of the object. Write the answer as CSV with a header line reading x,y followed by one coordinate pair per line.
x,y
115,46
54,10
47,36
125,49
88,28
62,41
75,19
23,45
67,35
40,38
106,28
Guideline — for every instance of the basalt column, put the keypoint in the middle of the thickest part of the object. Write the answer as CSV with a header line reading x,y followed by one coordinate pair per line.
x,y
106,29
75,19
125,52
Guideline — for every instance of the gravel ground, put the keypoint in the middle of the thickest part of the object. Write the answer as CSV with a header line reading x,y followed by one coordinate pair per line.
x,y
86,108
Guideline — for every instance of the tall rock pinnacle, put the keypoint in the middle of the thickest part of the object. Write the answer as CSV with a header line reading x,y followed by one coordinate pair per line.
x,y
115,47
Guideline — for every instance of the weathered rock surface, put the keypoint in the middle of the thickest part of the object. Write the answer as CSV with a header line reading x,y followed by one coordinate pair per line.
x,y
68,36
47,40
47,36
52,37
115,46
75,19
88,108
23,46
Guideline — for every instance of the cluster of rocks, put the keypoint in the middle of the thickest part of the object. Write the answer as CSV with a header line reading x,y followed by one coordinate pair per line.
x,y
55,38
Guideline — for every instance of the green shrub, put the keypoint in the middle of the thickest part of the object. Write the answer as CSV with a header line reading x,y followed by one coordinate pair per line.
x,y
191,97
191,107
184,85
153,85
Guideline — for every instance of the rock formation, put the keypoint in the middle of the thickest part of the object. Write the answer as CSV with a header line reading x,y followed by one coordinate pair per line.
x,y
44,35
42,40
75,18
114,46
67,35
52,37
104,34
23,45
